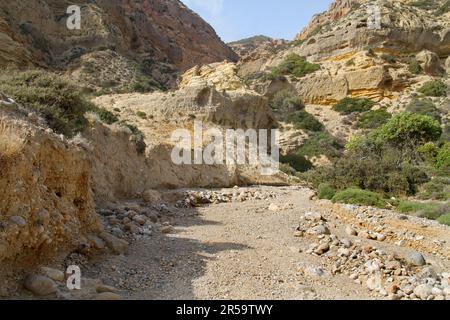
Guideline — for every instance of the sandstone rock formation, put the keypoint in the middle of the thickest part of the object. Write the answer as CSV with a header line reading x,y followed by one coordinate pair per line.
x,y
46,204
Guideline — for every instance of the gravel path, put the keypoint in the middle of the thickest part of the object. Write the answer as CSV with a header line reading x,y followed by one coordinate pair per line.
x,y
251,250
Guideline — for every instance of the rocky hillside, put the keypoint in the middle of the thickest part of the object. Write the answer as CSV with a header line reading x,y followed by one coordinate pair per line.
x,y
122,45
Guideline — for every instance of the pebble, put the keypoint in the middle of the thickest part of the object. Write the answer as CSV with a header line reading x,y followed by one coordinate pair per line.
x,y
118,246
273,207
415,259
350,231
18,221
40,285
423,291
313,216
54,274
323,248
319,230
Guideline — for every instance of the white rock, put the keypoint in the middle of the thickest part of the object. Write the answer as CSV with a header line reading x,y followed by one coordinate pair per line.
x,y
423,291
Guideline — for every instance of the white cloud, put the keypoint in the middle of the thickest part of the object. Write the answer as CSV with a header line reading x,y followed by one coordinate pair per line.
x,y
212,7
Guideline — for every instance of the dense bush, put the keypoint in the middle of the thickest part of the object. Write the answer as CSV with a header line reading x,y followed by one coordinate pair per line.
x,y
374,119
60,102
305,121
407,131
351,105
442,162
424,107
435,88
360,197
297,162
387,159
322,143
326,191
294,65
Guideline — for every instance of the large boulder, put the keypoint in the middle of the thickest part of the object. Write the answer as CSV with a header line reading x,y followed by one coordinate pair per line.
x,y
430,63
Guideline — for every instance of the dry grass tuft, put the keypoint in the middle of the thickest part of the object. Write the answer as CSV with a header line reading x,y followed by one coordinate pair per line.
x,y
11,143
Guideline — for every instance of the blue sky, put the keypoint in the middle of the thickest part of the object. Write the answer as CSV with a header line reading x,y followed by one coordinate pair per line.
x,y
237,19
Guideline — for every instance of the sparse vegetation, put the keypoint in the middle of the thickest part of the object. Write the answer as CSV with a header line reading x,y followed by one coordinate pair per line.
x,y
326,191
429,210
414,67
297,162
373,119
322,143
443,9
425,107
294,65
305,121
141,114
286,101
11,143
360,197
424,4
351,105
60,102
435,88
388,58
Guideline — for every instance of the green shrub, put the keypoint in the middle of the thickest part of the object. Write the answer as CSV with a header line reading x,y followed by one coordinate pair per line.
x,y
388,58
297,162
429,210
285,101
294,65
442,162
141,114
305,121
351,105
410,206
444,219
424,107
424,4
360,197
322,143
286,168
144,85
408,129
443,9
415,67
437,189
326,191
374,119
60,102
434,88
105,115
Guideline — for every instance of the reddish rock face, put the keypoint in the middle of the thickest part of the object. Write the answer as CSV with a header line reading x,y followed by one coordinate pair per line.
x,y
148,31
337,10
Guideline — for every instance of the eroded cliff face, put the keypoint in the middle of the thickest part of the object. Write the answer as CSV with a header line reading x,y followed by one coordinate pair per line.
x,y
363,49
46,203
162,36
